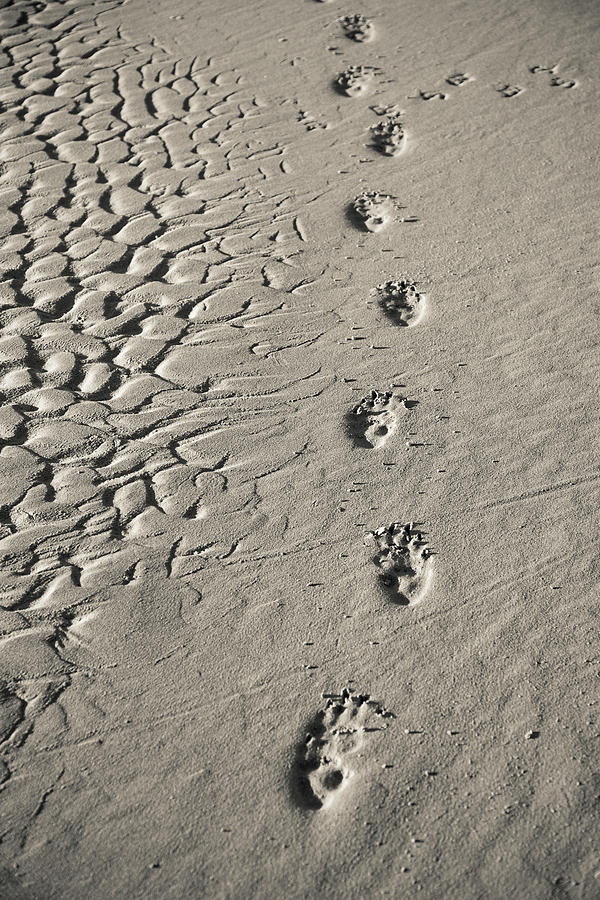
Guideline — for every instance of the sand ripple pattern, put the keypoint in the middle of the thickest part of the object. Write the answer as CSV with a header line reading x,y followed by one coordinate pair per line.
x,y
137,217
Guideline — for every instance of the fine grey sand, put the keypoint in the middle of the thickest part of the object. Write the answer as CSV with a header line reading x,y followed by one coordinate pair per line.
x,y
299,374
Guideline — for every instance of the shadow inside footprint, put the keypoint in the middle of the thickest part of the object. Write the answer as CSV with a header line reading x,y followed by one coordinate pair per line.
x,y
371,211
353,217
356,426
388,136
314,776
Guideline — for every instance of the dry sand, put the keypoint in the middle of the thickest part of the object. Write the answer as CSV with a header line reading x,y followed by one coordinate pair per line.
x,y
299,483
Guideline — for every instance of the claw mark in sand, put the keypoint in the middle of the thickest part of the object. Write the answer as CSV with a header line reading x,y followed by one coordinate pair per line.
x,y
401,301
357,28
322,768
375,418
402,557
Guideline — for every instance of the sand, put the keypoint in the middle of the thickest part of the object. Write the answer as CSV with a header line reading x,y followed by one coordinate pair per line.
x,y
299,487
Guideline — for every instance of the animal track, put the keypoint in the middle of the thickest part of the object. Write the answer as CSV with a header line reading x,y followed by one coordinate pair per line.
x,y
357,28
402,557
323,764
556,81
457,79
432,95
388,136
509,90
375,418
373,210
401,301
354,81
536,69
391,109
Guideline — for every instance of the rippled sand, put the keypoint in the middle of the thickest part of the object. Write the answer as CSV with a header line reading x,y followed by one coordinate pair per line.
x,y
299,477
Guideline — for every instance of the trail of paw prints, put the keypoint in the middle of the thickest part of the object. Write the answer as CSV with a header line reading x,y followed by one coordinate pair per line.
x,y
506,89
325,761
403,560
456,79
375,419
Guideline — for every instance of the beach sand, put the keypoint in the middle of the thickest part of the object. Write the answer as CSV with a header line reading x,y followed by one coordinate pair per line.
x,y
299,471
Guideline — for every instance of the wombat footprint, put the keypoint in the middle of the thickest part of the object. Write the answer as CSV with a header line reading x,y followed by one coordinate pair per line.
x,y
373,210
375,418
357,28
388,136
354,81
322,768
401,301
403,560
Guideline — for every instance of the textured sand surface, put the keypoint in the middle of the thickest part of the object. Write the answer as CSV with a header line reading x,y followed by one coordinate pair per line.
x,y
299,480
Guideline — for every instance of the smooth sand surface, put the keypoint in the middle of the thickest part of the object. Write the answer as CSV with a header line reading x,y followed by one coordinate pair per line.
x,y
299,477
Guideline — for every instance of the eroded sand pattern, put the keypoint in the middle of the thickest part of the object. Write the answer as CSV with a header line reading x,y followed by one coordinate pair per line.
x,y
193,218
